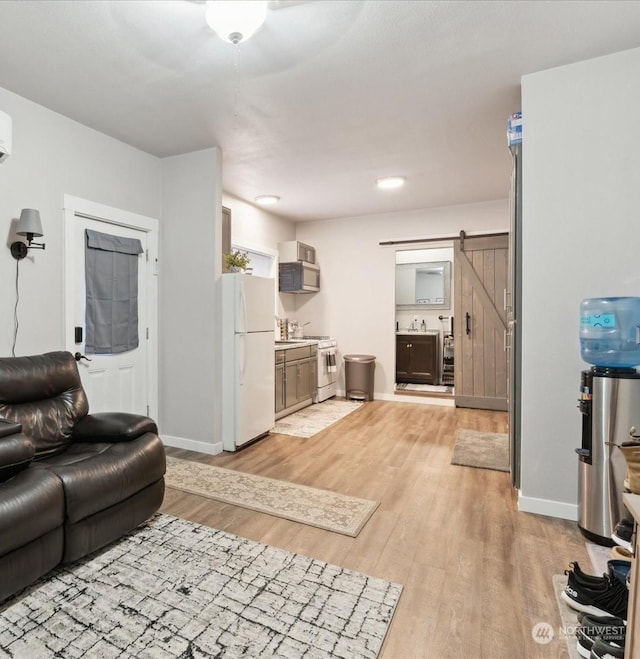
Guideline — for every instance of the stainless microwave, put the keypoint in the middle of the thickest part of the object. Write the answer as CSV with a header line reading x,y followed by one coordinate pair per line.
x,y
299,277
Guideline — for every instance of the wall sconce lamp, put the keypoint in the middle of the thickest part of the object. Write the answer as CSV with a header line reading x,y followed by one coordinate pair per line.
x,y
30,226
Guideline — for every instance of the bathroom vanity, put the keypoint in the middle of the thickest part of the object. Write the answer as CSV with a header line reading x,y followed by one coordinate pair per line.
x,y
418,357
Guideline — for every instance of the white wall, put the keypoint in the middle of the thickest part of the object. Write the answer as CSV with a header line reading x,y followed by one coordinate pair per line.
x,y
191,261
53,155
260,230
580,214
356,302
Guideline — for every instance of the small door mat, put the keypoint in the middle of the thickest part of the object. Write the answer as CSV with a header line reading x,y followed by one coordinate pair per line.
x,y
485,450
568,618
599,556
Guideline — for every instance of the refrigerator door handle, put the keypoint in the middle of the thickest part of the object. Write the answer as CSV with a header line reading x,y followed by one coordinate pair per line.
x,y
242,348
242,311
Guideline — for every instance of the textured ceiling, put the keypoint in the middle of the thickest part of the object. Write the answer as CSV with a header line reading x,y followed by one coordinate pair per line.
x,y
326,97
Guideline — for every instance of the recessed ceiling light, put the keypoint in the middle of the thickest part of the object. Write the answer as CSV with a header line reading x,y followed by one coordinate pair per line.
x,y
267,199
390,182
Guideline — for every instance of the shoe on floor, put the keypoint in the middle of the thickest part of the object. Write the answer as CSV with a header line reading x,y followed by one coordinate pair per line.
x,y
608,628
623,533
608,597
582,577
603,650
621,554
620,570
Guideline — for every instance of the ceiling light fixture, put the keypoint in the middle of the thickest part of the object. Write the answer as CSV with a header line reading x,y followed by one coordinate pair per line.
x,y
267,199
390,182
235,20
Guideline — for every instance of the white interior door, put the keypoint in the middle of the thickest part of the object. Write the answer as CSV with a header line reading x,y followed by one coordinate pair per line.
x,y
113,382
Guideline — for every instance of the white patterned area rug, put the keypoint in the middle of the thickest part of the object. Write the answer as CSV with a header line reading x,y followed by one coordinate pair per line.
x,y
309,505
177,589
311,420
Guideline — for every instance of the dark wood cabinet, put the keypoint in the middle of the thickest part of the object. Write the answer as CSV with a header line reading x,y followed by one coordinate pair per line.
x,y
417,358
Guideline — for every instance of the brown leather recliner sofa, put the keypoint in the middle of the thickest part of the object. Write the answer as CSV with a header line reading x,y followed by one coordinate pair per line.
x,y
70,482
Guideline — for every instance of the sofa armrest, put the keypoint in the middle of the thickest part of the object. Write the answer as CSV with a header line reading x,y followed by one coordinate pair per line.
x,y
9,427
112,427
16,453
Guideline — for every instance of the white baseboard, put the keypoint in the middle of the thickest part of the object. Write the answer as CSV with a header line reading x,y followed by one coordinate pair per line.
x,y
549,508
192,444
405,398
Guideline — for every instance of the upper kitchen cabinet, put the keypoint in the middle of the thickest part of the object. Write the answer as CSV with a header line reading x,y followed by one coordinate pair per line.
x,y
298,272
226,235
292,250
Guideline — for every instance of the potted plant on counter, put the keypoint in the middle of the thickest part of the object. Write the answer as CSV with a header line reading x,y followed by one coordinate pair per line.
x,y
236,261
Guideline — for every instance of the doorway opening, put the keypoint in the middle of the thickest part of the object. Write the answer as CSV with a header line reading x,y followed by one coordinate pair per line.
x,y
424,342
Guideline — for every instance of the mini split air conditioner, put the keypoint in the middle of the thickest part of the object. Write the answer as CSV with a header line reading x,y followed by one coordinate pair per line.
x,y
5,136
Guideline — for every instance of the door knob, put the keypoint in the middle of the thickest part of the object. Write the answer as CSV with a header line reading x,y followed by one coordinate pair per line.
x,y
78,356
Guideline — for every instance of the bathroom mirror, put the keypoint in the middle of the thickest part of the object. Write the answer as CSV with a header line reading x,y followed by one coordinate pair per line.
x,y
423,285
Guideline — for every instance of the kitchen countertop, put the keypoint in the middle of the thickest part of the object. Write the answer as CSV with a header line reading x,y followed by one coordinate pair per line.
x,y
295,343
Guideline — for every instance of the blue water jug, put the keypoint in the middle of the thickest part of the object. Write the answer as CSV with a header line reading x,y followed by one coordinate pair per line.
x,y
610,331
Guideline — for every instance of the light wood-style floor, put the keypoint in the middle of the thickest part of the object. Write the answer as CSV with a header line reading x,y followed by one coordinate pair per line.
x,y
476,572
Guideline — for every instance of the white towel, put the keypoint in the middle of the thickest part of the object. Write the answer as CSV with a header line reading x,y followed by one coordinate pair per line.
x,y
331,362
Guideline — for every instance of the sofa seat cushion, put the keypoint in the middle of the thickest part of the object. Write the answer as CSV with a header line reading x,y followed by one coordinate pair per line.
x,y
31,505
99,475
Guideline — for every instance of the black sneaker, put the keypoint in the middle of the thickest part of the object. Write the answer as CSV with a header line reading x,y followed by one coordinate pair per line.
x,y
606,598
603,650
622,533
608,628
584,578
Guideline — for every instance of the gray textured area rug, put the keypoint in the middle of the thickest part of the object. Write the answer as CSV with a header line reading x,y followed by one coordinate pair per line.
x,y
177,589
311,420
486,450
309,505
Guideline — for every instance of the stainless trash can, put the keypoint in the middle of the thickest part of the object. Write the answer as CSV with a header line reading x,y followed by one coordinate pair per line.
x,y
358,376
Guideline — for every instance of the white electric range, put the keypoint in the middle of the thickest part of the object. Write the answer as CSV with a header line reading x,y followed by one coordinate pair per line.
x,y
327,367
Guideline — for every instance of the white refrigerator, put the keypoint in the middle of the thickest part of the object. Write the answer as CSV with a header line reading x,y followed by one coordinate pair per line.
x,y
248,370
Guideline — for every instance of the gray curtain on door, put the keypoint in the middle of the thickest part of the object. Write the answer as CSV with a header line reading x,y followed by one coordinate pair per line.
x,y
111,273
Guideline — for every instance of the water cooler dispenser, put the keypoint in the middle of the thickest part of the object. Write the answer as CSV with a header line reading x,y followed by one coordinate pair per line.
x,y
610,405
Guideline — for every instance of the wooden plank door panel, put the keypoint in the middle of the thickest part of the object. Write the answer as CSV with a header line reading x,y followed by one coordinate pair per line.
x,y
481,269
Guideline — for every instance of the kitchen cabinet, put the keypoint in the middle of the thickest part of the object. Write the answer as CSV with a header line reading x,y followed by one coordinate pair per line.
x,y
280,391
296,378
418,358
226,235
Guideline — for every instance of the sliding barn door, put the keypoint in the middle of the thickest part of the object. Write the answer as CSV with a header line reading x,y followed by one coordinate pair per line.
x,y
480,323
